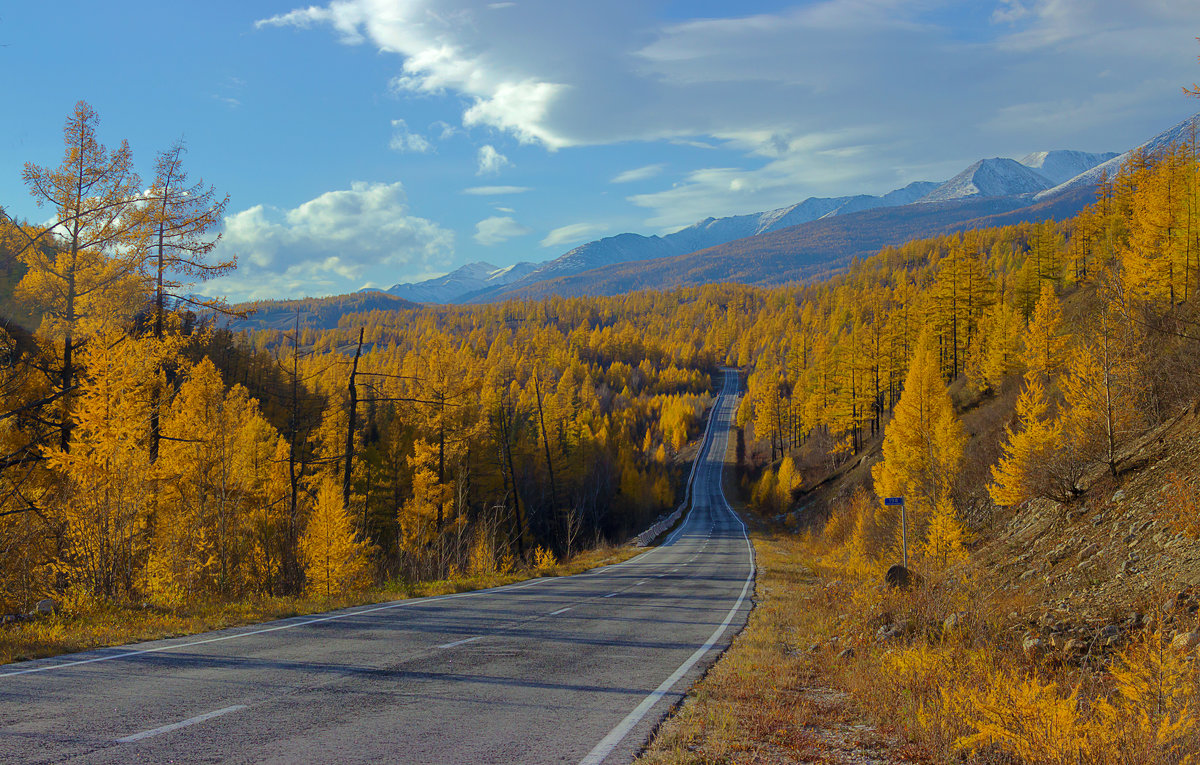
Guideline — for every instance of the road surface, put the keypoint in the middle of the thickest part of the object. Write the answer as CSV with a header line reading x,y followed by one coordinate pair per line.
x,y
559,670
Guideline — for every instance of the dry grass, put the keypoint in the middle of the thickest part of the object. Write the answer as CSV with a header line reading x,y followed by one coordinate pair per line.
x,y
769,699
834,667
118,625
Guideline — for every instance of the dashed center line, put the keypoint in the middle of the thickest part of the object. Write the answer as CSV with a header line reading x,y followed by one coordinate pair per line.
x,y
181,724
561,610
461,642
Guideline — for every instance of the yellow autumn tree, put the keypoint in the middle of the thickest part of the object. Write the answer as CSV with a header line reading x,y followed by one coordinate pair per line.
x,y
107,476
944,541
787,480
80,272
213,461
430,499
1101,391
1020,474
997,353
335,562
1046,344
923,444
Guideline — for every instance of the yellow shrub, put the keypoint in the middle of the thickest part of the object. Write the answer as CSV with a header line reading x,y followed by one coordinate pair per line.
x,y
544,559
1021,716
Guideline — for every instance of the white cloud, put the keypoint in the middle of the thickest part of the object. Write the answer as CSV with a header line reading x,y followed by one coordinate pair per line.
x,y
491,161
403,140
925,80
488,191
638,174
445,130
573,233
495,230
332,244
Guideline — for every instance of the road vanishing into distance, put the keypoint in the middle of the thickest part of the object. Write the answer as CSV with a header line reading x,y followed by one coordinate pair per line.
x,y
574,669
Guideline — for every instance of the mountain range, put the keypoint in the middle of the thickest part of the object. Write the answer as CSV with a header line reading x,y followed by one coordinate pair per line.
x,y
801,241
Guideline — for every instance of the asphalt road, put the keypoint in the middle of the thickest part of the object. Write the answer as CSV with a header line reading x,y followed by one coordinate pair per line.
x,y
565,670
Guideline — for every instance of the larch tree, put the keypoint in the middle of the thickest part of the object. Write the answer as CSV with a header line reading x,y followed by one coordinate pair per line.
x,y
178,218
1101,390
81,270
335,562
1021,473
923,444
787,481
1046,343
944,541
108,481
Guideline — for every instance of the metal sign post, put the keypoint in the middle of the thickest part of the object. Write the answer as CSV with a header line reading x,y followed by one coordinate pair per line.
x,y
903,522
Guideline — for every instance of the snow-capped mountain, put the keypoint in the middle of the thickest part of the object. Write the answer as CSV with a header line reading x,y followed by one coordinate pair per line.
x,y
1183,131
1021,181
996,177
1060,166
710,232
471,278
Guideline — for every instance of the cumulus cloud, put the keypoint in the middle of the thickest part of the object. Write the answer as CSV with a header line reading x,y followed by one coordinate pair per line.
x,y
495,230
903,83
490,161
573,232
638,174
332,244
490,191
403,140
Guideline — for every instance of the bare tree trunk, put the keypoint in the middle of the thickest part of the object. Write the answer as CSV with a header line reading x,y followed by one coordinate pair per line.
x,y
353,391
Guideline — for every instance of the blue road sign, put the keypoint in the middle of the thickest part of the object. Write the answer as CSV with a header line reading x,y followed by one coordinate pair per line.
x,y
893,500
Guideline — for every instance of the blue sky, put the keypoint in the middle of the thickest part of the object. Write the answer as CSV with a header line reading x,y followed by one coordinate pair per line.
x,y
367,142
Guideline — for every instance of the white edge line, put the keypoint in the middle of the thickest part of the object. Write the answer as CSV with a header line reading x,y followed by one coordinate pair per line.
x,y
340,615
181,724
289,625
614,737
461,642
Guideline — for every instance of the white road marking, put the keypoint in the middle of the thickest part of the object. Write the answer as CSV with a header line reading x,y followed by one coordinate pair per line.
x,y
278,627
639,584
461,642
614,737
181,724
612,594
561,610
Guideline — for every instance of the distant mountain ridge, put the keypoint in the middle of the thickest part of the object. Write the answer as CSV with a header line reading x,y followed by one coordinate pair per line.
x,y
467,280
475,281
1185,130
823,246
988,192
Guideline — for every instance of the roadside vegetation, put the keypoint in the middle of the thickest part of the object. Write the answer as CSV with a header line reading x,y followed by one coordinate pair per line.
x,y
1032,395
72,630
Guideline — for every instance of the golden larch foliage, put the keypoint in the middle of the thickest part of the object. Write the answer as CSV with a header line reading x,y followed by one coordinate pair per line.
x,y
1019,474
335,561
923,444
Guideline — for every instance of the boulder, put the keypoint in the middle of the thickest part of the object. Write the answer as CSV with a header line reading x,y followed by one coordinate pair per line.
x,y
901,578
1185,641
1033,647
45,607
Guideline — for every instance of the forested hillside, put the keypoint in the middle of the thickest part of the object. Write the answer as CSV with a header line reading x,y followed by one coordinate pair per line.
x,y
150,456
